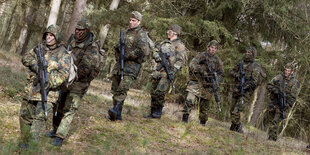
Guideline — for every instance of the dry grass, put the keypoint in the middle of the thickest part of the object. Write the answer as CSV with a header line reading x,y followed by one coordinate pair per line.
x,y
92,133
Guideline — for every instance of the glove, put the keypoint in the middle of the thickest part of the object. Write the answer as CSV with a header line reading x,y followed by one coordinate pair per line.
x,y
34,68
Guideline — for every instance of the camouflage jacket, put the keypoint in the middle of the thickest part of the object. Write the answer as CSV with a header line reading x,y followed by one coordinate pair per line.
x,y
200,84
176,54
252,74
59,62
136,51
180,54
288,86
88,59
199,70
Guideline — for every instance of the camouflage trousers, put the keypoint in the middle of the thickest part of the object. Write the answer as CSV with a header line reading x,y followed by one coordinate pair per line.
x,y
203,105
69,103
159,89
274,120
238,107
120,87
32,120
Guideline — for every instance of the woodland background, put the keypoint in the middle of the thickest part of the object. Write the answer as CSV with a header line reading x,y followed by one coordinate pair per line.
x,y
278,29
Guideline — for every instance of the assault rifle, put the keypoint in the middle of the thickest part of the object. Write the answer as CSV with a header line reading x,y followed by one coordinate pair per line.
x,y
242,79
164,63
215,84
282,104
122,50
42,64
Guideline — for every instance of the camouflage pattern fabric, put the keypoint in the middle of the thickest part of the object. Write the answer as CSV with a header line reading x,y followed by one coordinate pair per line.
x,y
88,60
180,54
32,118
198,84
252,73
199,88
193,98
160,81
135,53
291,88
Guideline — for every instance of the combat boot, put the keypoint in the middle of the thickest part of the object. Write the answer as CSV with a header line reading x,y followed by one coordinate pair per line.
x,y
236,127
185,118
157,113
51,134
203,122
272,138
24,146
239,129
57,141
232,127
115,113
151,114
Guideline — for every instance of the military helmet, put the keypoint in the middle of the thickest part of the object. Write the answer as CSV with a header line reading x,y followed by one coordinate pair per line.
x,y
55,30
253,50
213,43
83,24
136,14
291,65
175,28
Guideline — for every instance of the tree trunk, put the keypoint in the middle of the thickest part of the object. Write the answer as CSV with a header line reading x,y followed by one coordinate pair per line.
x,y
105,29
52,19
8,25
2,8
259,105
252,105
66,9
114,5
76,16
24,34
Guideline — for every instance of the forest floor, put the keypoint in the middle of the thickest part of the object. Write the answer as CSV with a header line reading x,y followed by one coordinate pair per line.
x,y
92,133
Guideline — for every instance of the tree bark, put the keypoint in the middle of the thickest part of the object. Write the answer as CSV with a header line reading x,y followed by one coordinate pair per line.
x,y
7,26
24,36
259,105
104,29
66,8
52,19
76,16
2,8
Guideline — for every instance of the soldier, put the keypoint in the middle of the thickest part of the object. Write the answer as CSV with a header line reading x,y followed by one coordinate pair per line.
x,y
32,117
172,48
283,91
136,51
203,67
252,77
87,58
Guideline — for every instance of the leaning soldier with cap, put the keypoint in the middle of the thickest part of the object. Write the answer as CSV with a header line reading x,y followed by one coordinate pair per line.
x,y
174,50
87,58
203,67
32,118
252,72
283,90
136,52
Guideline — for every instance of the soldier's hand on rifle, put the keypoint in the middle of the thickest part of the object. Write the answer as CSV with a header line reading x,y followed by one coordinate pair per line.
x,y
156,57
34,68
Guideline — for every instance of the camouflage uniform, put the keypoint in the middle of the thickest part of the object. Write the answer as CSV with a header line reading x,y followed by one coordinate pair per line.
x,y
288,85
136,51
87,58
32,118
199,88
252,80
175,49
